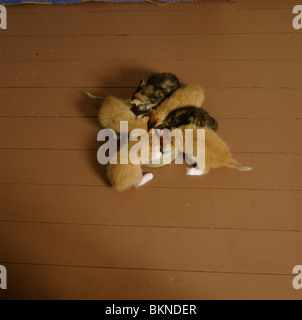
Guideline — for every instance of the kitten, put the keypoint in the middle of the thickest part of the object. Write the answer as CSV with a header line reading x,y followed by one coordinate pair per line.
x,y
150,94
217,153
126,176
113,110
188,115
192,95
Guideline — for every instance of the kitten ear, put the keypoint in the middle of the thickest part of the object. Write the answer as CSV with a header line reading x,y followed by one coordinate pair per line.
x,y
142,83
145,119
142,120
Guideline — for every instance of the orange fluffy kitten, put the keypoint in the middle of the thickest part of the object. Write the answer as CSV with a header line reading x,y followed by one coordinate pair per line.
x,y
126,176
192,95
217,153
113,110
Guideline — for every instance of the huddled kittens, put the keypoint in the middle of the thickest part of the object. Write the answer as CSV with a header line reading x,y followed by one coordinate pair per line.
x,y
168,106
182,98
182,110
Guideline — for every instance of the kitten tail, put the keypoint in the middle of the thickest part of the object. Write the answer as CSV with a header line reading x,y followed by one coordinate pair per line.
x,y
91,96
236,165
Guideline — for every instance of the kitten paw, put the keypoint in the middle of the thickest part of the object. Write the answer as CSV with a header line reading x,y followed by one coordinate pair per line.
x,y
246,168
194,172
146,178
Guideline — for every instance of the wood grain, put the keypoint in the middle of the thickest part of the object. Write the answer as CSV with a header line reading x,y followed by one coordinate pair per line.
x,y
155,248
242,74
188,208
221,102
167,22
45,282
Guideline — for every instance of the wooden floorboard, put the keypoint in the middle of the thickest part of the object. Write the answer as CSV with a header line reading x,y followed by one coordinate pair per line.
x,y
144,6
45,282
220,102
169,47
66,234
72,167
200,208
180,22
155,248
78,133
68,74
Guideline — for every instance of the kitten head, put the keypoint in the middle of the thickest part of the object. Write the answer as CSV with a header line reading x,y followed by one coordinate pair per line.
x,y
146,96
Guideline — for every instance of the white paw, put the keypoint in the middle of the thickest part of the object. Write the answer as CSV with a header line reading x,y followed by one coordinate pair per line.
x,y
146,177
142,108
246,168
193,172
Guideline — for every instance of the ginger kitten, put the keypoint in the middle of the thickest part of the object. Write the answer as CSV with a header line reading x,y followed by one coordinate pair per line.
x,y
113,110
217,153
126,176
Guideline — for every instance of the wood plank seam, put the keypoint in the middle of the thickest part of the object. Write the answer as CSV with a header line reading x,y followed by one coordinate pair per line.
x,y
148,187
149,226
149,269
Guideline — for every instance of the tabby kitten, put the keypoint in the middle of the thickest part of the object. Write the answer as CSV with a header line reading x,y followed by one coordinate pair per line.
x,y
150,94
188,115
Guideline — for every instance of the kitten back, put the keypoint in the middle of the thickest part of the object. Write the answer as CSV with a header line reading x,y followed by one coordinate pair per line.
x,y
188,115
114,110
188,96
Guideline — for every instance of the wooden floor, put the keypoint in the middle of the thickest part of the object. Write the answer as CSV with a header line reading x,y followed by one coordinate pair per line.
x,y
65,234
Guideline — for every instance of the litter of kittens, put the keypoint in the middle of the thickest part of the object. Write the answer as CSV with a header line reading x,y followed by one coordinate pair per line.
x,y
159,109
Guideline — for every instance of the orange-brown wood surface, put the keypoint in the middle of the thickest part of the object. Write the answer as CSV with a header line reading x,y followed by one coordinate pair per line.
x,y
66,234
